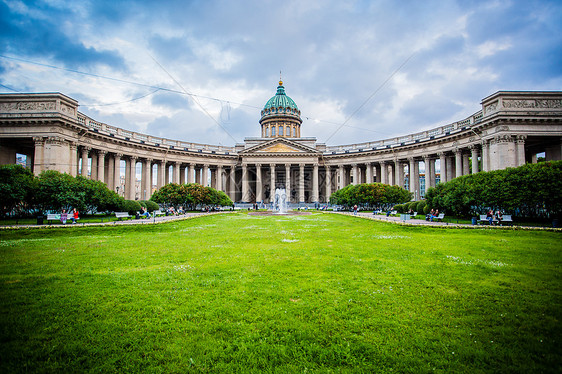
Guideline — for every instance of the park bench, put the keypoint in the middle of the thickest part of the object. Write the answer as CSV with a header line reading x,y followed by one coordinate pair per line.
x,y
413,215
121,215
440,217
507,219
158,213
53,217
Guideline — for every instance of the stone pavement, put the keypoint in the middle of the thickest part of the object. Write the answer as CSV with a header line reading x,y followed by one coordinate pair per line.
x,y
143,221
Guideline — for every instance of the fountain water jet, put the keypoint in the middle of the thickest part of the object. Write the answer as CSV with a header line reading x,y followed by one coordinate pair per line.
x,y
280,201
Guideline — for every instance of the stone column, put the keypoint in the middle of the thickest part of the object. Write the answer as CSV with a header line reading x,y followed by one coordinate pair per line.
x,y
166,173
485,156
94,168
272,182
218,183
117,172
205,175
101,165
341,172
232,183
191,174
384,172
328,183
110,172
38,156
399,173
131,183
84,171
474,155
161,174
458,162
442,167
416,180
146,184
245,184
301,183
315,186
520,149
73,159
288,181
177,166
368,173
465,164
259,184
450,170
429,172
411,175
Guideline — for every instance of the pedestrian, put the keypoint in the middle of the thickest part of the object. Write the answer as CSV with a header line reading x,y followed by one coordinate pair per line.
x,y
490,216
75,215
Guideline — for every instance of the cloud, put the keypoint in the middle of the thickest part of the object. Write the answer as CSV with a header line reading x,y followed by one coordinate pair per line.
x,y
388,69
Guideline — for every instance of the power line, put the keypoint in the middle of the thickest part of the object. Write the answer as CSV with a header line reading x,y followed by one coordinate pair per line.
x,y
370,97
195,100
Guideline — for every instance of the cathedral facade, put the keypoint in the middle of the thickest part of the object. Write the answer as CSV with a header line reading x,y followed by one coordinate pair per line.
x,y
510,129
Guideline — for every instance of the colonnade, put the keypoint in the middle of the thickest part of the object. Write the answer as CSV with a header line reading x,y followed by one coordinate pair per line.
x,y
307,182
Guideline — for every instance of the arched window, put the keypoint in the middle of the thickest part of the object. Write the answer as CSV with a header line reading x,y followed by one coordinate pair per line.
x,y
267,131
280,130
273,131
294,132
288,131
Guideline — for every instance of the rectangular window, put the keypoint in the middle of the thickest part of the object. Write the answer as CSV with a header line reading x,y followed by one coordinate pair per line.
x,y
273,131
280,130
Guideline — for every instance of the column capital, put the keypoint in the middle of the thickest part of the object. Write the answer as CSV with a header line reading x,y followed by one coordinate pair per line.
x,y
148,160
474,146
258,165
38,139
101,152
272,166
521,138
133,158
118,155
441,154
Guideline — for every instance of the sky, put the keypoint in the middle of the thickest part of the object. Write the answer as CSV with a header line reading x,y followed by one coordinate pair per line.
x,y
201,71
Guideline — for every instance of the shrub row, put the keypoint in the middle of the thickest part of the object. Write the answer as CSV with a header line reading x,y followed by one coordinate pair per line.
x,y
370,195
528,191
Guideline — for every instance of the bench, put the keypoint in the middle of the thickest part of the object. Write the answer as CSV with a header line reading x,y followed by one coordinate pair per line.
x,y
120,215
53,217
440,217
158,213
413,215
506,218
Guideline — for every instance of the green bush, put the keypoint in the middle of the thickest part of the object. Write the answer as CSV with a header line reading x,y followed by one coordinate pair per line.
x,y
399,208
531,191
420,206
371,195
130,206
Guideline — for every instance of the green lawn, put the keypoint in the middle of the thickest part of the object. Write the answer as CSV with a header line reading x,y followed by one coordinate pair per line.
x,y
281,294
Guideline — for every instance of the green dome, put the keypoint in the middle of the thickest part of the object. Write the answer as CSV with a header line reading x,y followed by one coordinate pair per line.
x,y
280,103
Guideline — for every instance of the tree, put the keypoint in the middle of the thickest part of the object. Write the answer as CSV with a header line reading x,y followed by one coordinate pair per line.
x,y
531,190
370,195
17,189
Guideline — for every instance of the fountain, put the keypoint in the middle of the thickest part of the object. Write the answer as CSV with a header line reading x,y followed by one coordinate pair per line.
x,y
280,201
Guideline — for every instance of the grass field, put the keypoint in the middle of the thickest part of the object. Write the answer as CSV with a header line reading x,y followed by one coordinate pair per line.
x,y
321,293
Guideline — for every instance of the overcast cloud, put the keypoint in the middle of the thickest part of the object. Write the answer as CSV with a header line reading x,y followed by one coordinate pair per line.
x,y
333,55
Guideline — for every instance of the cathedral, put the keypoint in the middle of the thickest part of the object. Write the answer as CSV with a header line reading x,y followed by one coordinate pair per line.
x,y
510,129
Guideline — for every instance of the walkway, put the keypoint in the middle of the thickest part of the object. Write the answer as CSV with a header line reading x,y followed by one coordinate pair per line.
x,y
144,221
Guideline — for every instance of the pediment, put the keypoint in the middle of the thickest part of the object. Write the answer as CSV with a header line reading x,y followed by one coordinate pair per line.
x,y
279,145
